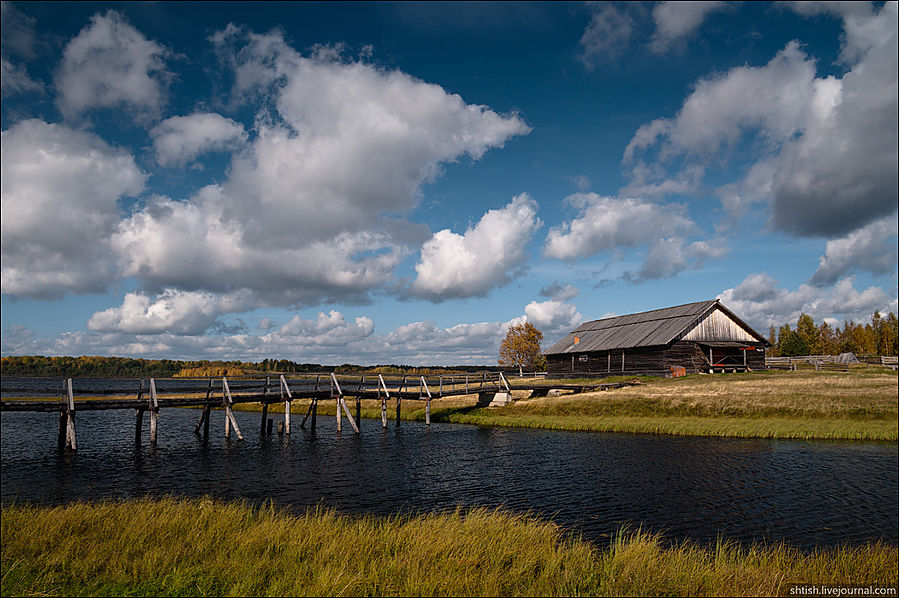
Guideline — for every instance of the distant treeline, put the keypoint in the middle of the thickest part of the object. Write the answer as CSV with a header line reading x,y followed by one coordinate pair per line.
x,y
123,367
879,337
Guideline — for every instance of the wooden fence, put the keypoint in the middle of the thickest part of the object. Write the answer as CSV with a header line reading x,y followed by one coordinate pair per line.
x,y
826,363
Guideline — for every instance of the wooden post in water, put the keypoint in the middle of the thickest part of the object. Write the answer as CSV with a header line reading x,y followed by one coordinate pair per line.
x,y
359,401
285,389
139,415
383,400
154,412
336,395
229,414
427,399
70,416
262,429
61,435
308,413
399,399
314,408
208,411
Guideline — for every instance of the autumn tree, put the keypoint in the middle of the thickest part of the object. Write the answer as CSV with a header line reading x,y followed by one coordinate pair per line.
x,y
521,348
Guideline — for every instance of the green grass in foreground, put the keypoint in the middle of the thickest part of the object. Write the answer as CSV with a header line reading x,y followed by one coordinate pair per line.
x,y
205,547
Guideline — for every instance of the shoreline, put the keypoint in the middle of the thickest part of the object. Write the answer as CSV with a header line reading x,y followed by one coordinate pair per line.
x,y
783,428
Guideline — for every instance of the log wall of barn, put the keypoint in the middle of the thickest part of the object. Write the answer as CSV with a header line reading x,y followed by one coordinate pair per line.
x,y
608,363
655,361
686,355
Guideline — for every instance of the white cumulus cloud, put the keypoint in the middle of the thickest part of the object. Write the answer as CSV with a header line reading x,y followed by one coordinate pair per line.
x,y
331,329
173,311
110,64
180,139
762,303
60,189
605,223
871,248
313,207
485,257
677,20
553,318
826,147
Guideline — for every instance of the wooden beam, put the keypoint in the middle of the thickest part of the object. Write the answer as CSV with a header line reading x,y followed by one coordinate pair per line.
x,y
336,394
262,426
386,396
427,399
285,389
139,415
342,403
154,412
229,414
70,417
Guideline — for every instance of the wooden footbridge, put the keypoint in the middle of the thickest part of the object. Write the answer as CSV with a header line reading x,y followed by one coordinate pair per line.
x,y
150,397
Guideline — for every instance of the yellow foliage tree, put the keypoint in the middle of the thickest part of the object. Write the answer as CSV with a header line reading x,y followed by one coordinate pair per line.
x,y
521,348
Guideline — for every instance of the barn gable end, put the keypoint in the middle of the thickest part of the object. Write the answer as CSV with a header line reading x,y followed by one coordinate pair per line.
x,y
719,326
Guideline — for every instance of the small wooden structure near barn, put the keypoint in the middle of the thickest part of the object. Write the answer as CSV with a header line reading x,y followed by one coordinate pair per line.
x,y
692,338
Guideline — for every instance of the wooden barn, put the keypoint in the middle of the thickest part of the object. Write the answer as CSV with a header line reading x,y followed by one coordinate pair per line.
x,y
698,337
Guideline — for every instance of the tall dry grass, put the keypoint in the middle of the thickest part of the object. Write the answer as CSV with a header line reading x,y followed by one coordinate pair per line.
x,y
210,548
873,395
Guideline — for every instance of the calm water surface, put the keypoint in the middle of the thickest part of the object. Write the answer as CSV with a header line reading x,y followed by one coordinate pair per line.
x,y
807,493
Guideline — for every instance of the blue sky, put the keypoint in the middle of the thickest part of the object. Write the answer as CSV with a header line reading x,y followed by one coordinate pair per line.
x,y
399,182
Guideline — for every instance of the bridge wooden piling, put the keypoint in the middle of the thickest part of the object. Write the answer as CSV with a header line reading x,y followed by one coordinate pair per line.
x,y
262,428
67,417
154,412
285,390
139,416
229,414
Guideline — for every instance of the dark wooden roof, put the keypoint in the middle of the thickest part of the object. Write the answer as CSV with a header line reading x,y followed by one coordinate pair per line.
x,y
654,328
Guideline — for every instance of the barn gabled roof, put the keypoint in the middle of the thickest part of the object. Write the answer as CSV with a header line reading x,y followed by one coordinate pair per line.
x,y
655,328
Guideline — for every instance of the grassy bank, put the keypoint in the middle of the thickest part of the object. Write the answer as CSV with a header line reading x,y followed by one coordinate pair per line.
x,y
804,405
202,547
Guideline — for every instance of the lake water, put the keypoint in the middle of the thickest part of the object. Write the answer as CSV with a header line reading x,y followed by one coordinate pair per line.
x,y
807,493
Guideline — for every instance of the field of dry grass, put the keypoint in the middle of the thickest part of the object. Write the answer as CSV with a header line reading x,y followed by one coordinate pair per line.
x,y
862,395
